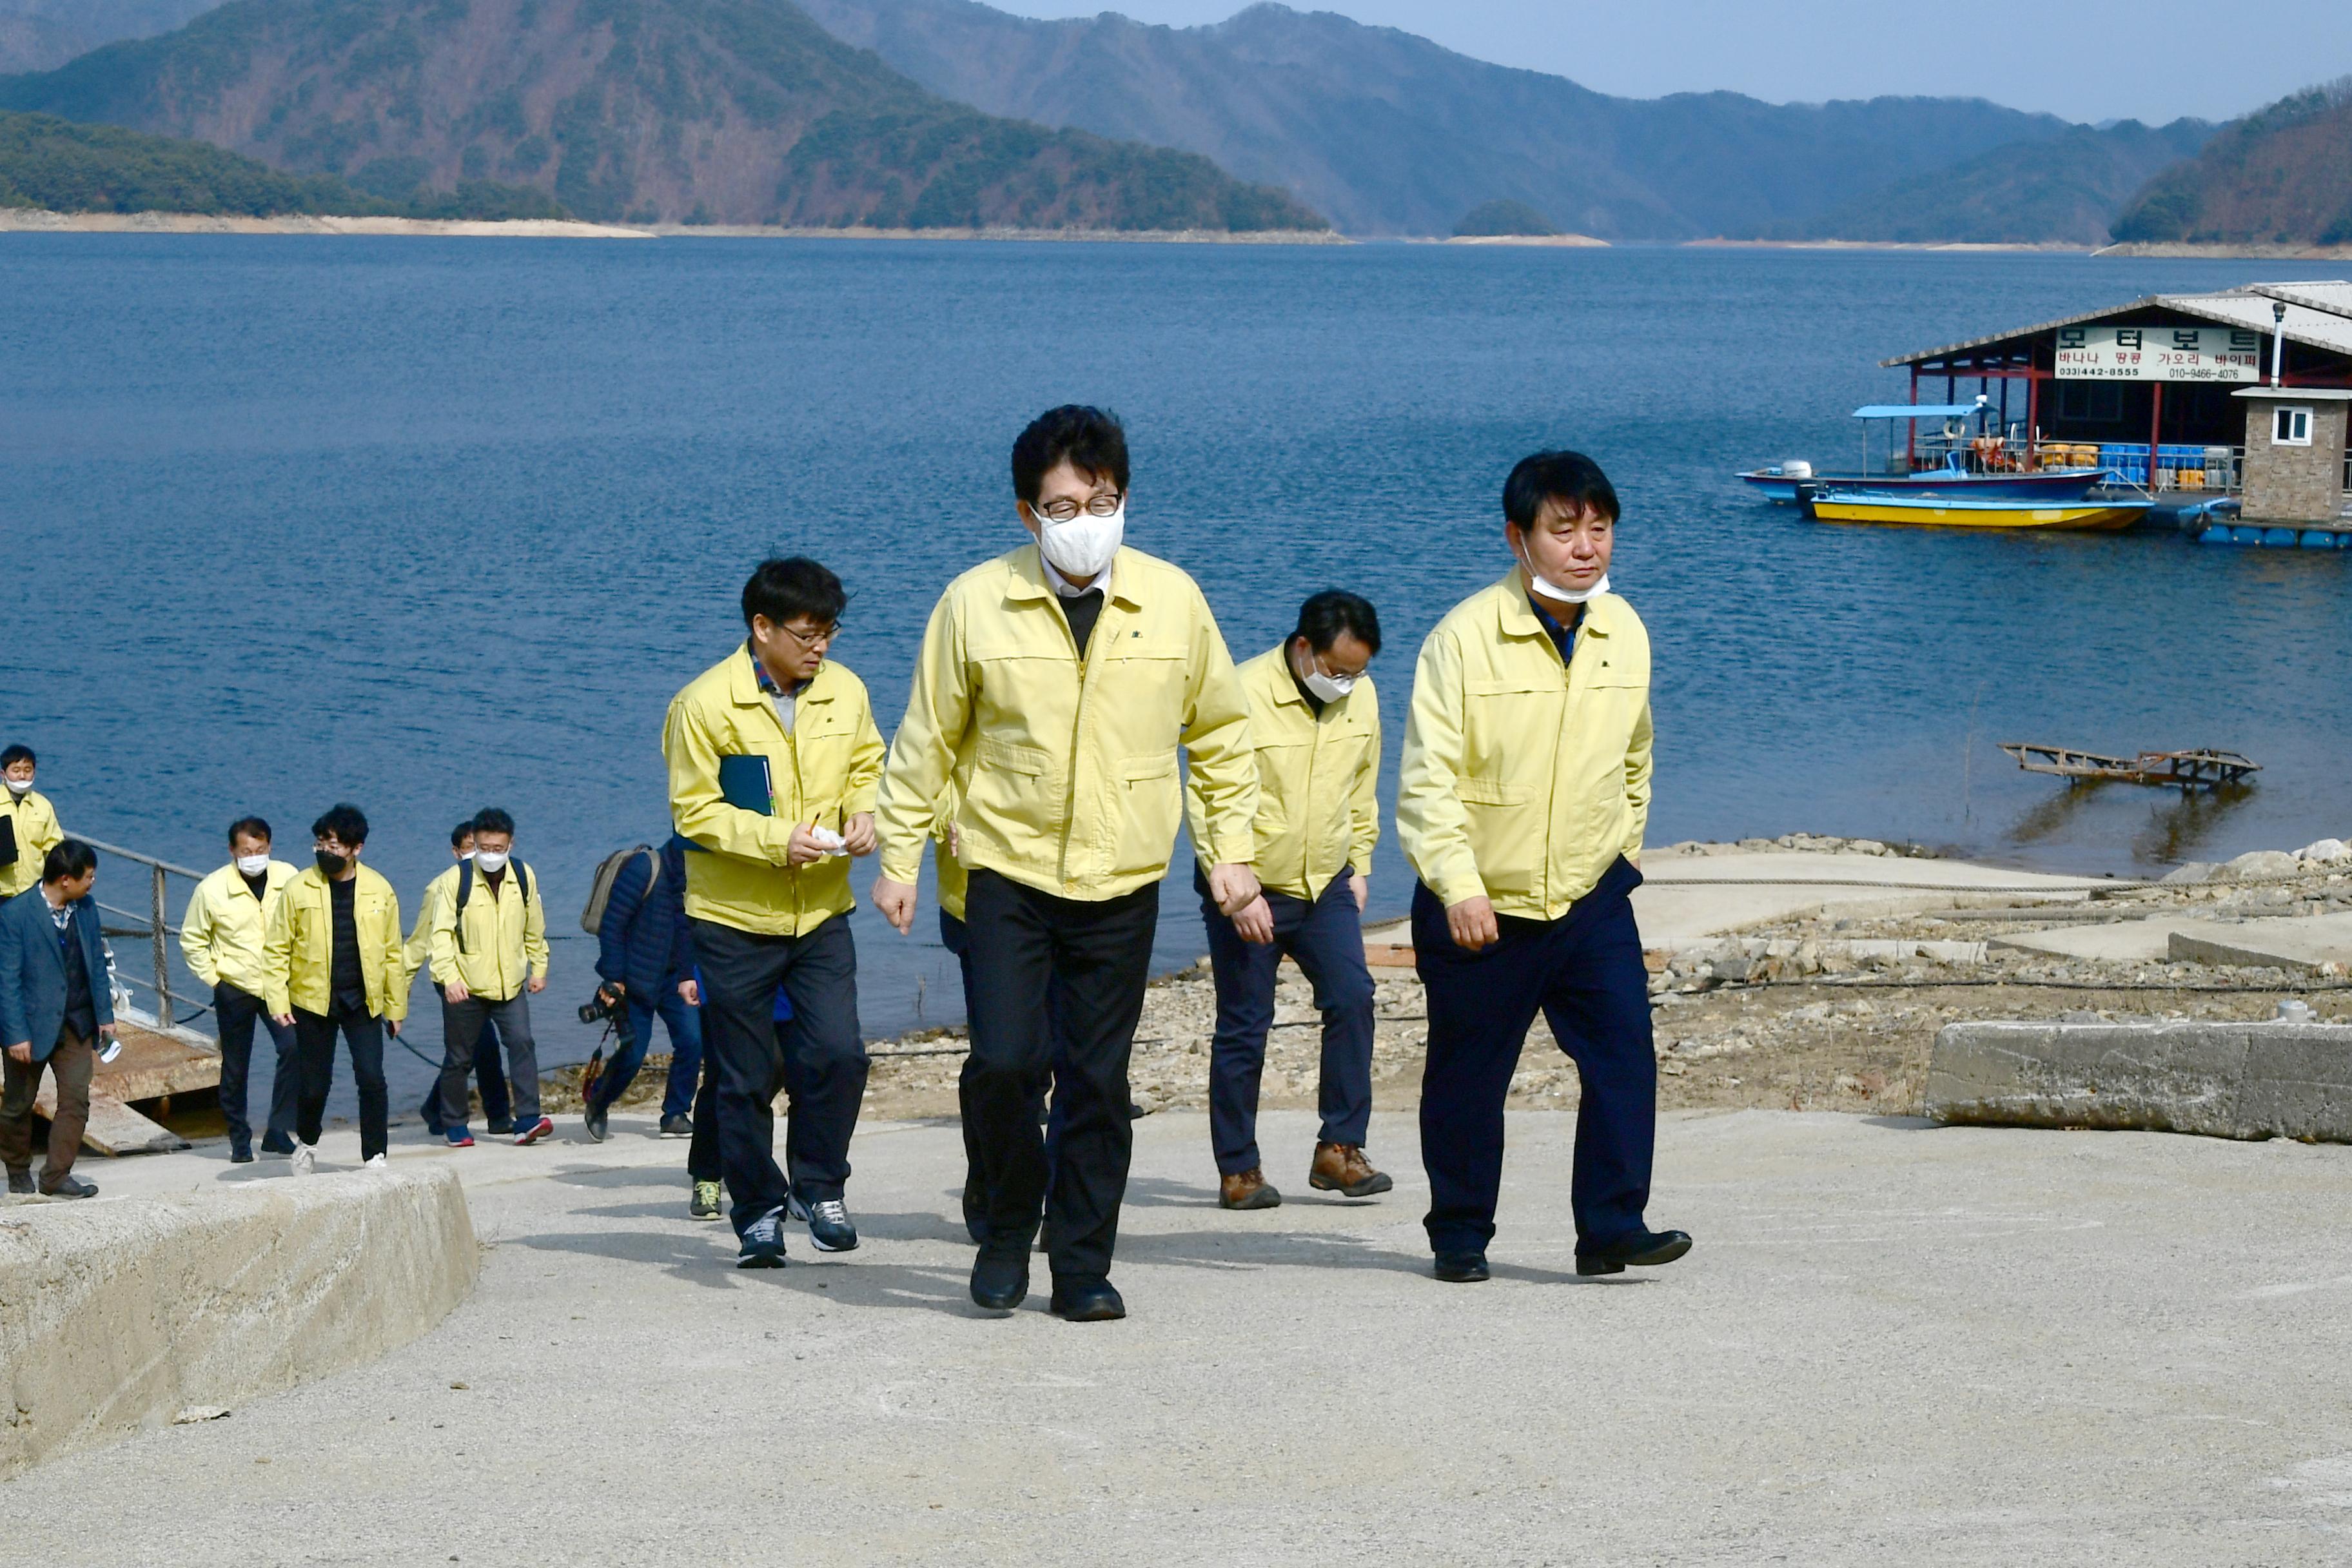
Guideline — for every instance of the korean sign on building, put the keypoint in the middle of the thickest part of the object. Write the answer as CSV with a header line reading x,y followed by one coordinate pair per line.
x,y
2159,353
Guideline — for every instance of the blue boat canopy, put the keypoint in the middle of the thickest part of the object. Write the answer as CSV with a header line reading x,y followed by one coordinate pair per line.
x,y
1916,410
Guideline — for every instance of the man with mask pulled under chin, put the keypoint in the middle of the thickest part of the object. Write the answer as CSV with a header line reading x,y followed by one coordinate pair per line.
x,y
1522,796
1066,673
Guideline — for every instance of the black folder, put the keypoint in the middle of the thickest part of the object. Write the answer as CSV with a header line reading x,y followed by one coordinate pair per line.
x,y
745,781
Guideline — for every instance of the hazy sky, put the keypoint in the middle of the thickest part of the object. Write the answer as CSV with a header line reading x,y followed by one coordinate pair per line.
x,y
2086,59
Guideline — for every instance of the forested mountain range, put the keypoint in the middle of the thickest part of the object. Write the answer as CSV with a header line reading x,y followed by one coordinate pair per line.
x,y
1388,133
2282,176
2065,188
684,110
40,35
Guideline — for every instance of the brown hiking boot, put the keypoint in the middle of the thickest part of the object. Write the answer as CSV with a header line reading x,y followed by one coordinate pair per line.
x,y
1246,1190
1342,1168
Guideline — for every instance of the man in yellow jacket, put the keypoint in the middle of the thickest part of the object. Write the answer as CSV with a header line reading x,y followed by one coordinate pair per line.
x,y
489,1070
773,761
489,959
221,937
330,959
28,823
1521,801
1315,720
1073,669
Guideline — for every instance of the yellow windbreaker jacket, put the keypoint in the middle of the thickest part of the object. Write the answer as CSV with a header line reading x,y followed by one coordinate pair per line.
x,y
1524,779
298,947
1318,777
418,951
497,941
222,933
36,822
825,772
1074,787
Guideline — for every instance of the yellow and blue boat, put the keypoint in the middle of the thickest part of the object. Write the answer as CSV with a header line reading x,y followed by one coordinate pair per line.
x,y
2082,516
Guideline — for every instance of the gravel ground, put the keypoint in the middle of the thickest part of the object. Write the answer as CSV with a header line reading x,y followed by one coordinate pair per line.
x,y
1792,1030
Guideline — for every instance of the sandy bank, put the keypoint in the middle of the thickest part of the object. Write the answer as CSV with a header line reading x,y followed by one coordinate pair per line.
x,y
1569,242
2061,246
23,220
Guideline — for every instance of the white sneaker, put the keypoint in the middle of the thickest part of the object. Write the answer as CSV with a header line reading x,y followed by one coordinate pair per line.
x,y
376,1163
306,1159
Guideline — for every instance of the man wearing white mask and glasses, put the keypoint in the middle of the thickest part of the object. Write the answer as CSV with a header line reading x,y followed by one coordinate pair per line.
x,y
1068,672
1521,800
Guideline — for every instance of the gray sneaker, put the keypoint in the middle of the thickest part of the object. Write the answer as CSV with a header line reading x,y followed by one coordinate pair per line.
x,y
763,1242
830,1229
678,1126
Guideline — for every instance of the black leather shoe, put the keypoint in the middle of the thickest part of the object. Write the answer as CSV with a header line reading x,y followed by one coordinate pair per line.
x,y
1462,1268
240,1155
1642,1250
21,1182
279,1144
999,1279
69,1186
1087,1301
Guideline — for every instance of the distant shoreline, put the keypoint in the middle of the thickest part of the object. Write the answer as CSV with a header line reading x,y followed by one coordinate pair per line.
x,y
2233,252
28,220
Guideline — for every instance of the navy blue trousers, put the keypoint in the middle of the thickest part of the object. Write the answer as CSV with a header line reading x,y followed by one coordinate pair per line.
x,y
1583,972
1327,941
684,1026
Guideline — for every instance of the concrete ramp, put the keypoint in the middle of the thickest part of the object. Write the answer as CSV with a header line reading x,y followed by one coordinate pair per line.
x,y
118,1314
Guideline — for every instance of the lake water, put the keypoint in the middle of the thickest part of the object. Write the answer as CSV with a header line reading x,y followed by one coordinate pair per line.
x,y
433,524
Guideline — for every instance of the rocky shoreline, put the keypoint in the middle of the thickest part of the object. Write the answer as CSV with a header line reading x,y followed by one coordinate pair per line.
x,y
1821,1010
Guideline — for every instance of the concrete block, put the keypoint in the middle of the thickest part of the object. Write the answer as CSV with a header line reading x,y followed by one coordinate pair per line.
x,y
2305,942
2220,1080
118,1314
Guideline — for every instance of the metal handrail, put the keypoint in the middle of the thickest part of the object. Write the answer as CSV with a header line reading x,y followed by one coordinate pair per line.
x,y
157,922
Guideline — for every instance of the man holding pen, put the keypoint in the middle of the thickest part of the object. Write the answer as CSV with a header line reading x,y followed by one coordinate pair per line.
x,y
773,762
1522,798
1072,670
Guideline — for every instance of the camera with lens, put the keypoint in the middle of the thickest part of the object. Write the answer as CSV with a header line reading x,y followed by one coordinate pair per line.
x,y
607,1003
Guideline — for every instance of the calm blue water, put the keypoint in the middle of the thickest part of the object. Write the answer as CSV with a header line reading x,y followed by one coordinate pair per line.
x,y
431,524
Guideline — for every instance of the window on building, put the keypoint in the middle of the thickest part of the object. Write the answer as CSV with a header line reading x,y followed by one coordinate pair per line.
x,y
2290,425
2091,402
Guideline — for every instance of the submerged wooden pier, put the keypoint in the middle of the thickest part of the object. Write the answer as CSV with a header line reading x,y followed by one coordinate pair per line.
x,y
2201,769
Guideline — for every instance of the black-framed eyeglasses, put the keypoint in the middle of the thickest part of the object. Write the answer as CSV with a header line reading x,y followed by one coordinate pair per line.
x,y
821,638
1064,510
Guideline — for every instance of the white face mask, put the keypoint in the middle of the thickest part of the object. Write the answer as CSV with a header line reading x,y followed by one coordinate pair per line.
x,y
1327,688
1085,545
491,861
253,864
20,788
1536,581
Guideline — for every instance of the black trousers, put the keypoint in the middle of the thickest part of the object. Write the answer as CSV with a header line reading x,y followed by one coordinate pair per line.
x,y
741,972
1044,967
314,1044
1583,972
234,1012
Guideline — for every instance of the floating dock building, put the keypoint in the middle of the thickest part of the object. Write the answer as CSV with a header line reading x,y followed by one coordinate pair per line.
x,y
2242,394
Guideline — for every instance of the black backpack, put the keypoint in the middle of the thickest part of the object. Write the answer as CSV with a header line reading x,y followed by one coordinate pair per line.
x,y
465,891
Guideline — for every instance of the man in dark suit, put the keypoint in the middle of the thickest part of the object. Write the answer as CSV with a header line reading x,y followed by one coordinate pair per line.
x,y
54,1005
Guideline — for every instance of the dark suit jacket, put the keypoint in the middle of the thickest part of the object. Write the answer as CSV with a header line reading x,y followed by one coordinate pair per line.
x,y
32,971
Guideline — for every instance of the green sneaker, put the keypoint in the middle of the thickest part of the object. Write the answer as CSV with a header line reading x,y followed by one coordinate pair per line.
x,y
706,1201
